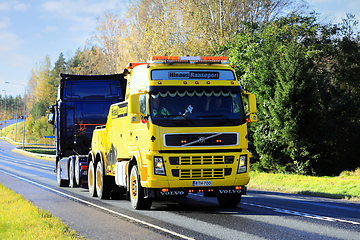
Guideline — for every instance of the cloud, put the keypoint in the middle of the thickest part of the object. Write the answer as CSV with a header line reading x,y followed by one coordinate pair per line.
x,y
9,41
49,29
21,7
70,9
5,6
18,7
80,13
4,23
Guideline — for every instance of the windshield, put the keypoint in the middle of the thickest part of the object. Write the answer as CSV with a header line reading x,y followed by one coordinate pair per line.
x,y
198,108
92,89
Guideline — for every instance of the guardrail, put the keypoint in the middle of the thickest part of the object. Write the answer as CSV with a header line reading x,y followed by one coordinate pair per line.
x,y
36,144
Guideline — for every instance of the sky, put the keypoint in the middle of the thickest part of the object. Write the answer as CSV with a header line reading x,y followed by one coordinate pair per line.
x,y
32,30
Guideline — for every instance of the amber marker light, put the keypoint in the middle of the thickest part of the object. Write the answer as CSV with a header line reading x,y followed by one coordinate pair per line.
x,y
185,82
196,82
159,82
208,82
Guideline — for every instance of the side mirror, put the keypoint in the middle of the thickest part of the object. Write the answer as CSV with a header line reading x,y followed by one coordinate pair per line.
x,y
52,108
51,118
134,104
252,103
251,116
134,108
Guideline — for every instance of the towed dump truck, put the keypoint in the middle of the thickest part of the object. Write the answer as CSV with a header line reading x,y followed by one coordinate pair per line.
x,y
82,103
181,128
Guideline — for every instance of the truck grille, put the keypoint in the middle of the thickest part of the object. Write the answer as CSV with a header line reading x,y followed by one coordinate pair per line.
x,y
208,173
200,160
201,173
200,139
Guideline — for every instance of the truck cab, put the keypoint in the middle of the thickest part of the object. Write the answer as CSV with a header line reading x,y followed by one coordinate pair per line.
x,y
82,104
181,129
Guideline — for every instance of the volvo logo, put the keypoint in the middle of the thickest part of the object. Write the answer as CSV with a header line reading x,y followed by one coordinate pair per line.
x,y
201,140
230,191
172,193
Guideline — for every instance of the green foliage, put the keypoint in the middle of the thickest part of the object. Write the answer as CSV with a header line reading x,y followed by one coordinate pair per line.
x,y
302,107
19,219
332,187
37,129
39,109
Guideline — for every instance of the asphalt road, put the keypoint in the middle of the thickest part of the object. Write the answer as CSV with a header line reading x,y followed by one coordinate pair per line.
x,y
260,215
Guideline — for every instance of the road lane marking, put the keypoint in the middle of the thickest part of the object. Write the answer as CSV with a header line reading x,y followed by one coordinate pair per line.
x,y
99,207
302,214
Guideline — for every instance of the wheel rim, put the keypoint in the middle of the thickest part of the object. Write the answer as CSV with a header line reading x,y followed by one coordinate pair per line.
x,y
91,176
134,188
98,177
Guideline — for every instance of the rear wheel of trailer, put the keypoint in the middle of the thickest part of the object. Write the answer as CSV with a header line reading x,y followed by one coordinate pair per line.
x,y
61,182
91,179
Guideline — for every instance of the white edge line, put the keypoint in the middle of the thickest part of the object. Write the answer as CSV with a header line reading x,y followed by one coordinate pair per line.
x,y
329,219
99,207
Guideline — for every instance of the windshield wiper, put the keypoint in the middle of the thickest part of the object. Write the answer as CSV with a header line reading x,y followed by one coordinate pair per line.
x,y
220,115
175,118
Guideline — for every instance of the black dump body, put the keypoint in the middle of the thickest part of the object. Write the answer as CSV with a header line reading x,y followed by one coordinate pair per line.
x,y
83,103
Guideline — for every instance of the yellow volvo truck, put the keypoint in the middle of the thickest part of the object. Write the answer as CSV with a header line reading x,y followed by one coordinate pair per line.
x,y
181,129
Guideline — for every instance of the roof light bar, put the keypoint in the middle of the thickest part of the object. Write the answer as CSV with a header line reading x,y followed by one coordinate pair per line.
x,y
189,59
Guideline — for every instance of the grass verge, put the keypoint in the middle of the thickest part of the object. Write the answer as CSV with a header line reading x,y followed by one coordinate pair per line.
x,y
346,186
42,151
19,219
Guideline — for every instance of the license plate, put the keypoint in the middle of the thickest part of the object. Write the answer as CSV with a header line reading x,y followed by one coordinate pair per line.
x,y
202,183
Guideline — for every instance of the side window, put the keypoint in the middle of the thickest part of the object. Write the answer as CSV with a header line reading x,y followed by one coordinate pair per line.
x,y
236,104
143,109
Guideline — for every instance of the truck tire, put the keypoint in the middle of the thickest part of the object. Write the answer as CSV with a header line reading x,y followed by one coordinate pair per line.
x,y
229,200
137,199
61,182
103,186
73,183
91,179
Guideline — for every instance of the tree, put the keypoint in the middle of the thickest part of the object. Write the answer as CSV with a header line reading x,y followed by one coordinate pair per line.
x,y
287,64
110,39
59,67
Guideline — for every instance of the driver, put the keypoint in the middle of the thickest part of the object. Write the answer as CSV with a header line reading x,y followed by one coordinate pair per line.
x,y
216,104
158,110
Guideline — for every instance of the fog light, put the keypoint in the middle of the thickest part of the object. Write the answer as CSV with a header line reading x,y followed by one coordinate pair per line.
x,y
229,159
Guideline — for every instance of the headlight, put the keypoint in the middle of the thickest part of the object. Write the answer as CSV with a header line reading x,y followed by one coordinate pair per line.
x,y
242,164
159,166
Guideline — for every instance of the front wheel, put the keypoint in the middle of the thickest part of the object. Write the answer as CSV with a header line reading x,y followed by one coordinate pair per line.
x,y
229,200
137,191
91,179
